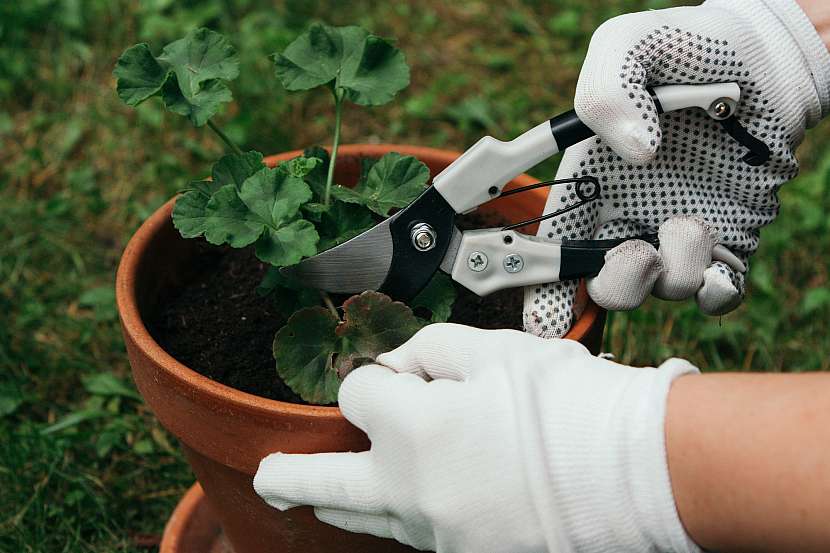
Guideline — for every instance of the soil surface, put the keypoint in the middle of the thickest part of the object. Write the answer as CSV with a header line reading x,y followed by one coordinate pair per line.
x,y
221,327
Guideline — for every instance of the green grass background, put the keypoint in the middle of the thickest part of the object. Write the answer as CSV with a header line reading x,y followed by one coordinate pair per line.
x,y
84,466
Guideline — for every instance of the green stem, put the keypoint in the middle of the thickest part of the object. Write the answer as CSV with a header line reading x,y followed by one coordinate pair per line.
x,y
338,109
330,304
225,138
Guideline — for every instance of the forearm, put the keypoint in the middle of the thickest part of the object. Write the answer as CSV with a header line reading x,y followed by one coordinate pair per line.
x,y
819,13
749,459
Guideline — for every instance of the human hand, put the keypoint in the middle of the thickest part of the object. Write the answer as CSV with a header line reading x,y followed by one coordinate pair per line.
x,y
497,442
682,173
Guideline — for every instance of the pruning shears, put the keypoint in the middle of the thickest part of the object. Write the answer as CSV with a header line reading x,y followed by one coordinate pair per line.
x,y
401,254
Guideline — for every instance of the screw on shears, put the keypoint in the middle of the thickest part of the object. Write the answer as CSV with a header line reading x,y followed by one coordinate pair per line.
x,y
586,188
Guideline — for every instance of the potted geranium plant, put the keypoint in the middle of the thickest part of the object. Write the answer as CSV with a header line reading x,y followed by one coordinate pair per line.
x,y
207,375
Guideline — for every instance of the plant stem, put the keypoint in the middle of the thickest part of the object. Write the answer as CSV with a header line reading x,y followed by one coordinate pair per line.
x,y
330,304
338,109
225,138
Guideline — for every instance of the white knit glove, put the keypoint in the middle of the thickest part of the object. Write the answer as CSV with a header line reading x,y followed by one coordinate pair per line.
x,y
684,164
516,445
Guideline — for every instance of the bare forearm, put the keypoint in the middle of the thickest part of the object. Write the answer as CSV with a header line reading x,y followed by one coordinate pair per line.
x,y
749,458
819,13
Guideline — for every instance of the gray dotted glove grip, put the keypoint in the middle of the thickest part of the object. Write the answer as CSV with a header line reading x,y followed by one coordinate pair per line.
x,y
681,174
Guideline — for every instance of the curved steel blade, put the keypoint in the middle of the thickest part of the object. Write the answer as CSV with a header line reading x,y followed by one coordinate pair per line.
x,y
354,266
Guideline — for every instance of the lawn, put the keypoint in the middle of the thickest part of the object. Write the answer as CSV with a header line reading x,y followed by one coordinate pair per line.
x,y
83,464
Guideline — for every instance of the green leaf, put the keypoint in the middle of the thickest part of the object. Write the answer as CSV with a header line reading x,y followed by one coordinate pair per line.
x,y
437,298
287,245
366,164
814,300
73,419
139,76
206,188
203,56
10,399
110,437
342,222
300,166
190,211
364,68
101,300
264,210
288,296
199,107
143,447
373,324
273,196
303,350
305,347
314,211
235,168
227,220
189,74
394,181
106,384
189,216
316,178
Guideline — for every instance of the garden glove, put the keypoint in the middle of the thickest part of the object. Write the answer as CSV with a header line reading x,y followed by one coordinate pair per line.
x,y
496,442
682,174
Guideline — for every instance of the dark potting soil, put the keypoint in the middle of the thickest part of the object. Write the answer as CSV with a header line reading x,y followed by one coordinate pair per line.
x,y
221,327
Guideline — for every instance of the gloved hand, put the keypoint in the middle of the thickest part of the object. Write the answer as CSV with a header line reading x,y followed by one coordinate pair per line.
x,y
682,173
496,442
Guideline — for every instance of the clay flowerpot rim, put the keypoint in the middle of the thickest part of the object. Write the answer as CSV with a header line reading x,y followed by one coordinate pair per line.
x,y
191,380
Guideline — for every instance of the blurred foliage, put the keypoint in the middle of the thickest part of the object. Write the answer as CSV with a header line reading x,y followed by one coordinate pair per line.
x,y
83,464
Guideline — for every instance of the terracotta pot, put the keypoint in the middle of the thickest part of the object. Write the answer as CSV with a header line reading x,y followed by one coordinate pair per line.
x,y
225,432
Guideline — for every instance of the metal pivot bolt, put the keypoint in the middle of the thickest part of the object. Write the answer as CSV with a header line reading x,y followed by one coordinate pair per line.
x,y
721,109
513,263
423,237
477,262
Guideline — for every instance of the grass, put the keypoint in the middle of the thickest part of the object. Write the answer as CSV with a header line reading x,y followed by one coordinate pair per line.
x,y
83,465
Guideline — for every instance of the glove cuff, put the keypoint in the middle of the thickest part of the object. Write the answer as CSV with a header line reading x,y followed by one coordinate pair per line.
x,y
795,45
812,47
611,469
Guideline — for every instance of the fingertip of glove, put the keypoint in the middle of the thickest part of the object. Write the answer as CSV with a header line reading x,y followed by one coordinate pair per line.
x,y
719,295
264,481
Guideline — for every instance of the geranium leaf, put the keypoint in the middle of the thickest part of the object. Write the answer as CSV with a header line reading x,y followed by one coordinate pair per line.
x,y
205,187
235,168
314,211
189,74
286,294
316,178
227,220
364,68
373,73
199,107
373,324
341,222
303,351
366,164
200,57
299,166
139,75
288,244
189,213
394,181
273,196
437,298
